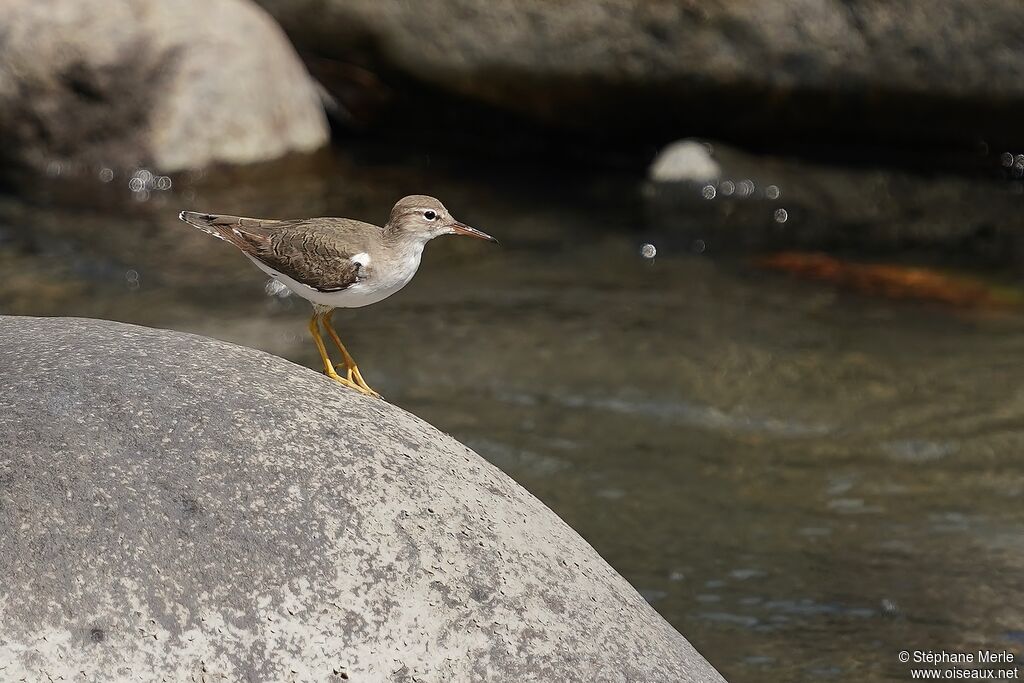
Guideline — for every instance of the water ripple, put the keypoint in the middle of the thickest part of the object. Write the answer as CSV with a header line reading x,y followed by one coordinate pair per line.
x,y
698,415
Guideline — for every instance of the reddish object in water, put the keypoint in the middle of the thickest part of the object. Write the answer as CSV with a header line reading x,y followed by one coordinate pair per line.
x,y
893,281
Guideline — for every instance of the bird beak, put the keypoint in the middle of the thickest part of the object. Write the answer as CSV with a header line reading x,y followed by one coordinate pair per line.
x,y
463,229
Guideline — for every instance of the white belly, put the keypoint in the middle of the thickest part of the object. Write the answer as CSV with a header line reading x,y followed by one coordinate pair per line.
x,y
362,293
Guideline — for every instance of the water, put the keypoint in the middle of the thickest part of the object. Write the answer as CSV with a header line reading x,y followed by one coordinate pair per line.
x,y
804,481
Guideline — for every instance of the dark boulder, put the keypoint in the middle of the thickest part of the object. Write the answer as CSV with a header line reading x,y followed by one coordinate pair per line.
x,y
714,198
942,67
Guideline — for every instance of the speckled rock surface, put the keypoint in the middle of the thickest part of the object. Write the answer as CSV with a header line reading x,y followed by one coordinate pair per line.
x,y
177,508
86,84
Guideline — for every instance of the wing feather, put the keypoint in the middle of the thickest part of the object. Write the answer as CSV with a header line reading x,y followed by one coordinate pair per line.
x,y
304,250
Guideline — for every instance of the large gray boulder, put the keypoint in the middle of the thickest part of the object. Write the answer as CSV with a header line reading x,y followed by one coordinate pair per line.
x,y
171,85
577,62
176,508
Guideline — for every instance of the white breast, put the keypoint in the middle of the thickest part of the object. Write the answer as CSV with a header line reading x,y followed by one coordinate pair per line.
x,y
373,288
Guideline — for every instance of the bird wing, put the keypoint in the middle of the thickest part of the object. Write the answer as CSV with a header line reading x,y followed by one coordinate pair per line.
x,y
307,251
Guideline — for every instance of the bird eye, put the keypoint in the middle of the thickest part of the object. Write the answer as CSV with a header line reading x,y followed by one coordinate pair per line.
x,y
429,215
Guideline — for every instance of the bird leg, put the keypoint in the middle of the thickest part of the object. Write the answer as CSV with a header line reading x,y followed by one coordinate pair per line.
x,y
314,329
350,365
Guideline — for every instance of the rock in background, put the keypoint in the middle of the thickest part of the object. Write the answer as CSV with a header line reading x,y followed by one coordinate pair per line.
x,y
176,508
945,66
88,84
713,198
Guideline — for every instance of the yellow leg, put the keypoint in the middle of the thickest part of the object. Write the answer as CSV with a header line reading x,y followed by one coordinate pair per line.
x,y
314,329
350,365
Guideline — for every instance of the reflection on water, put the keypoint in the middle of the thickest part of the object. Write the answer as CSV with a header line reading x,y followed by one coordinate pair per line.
x,y
803,481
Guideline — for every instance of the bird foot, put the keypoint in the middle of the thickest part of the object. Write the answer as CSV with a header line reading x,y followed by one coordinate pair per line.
x,y
344,382
356,378
351,384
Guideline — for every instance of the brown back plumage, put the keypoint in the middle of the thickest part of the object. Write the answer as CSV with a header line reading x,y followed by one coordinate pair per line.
x,y
331,254
316,252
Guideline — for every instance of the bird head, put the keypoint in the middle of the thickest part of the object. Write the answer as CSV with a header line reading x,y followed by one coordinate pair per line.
x,y
425,218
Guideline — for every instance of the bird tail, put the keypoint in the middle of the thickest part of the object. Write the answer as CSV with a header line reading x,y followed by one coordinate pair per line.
x,y
247,234
210,223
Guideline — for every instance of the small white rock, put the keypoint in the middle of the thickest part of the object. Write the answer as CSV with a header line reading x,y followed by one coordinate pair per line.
x,y
685,160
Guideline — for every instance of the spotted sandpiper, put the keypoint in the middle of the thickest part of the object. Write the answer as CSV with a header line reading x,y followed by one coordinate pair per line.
x,y
338,262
